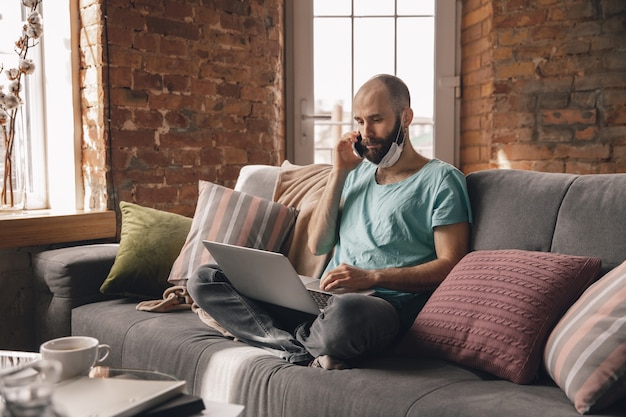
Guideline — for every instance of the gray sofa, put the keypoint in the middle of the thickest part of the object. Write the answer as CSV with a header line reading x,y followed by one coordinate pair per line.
x,y
569,214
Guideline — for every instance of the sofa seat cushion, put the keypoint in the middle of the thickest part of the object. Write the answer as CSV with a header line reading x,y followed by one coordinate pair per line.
x,y
500,398
175,343
388,386
223,370
220,369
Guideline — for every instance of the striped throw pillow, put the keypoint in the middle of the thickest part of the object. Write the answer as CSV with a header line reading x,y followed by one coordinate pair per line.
x,y
228,216
586,351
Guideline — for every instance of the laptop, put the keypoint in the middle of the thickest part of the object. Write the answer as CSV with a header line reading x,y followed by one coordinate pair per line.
x,y
270,277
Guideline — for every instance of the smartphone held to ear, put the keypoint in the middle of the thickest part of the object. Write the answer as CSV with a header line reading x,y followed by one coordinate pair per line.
x,y
358,148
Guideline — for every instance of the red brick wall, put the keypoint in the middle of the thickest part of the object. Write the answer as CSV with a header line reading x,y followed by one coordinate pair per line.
x,y
195,90
544,85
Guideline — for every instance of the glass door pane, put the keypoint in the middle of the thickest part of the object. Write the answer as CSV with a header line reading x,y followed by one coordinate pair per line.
x,y
332,7
374,7
332,80
364,38
417,68
416,7
374,48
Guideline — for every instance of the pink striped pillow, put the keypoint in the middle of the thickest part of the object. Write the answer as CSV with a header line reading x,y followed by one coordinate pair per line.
x,y
586,351
229,216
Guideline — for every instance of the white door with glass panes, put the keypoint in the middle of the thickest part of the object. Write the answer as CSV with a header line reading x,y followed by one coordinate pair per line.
x,y
334,46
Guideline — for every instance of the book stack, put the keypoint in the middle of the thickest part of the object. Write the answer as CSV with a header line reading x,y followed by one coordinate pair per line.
x,y
119,397
181,406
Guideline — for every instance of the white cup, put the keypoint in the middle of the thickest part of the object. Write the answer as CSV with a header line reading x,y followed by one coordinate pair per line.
x,y
77,354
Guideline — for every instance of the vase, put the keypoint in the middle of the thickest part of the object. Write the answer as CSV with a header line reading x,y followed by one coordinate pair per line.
x,y
13,163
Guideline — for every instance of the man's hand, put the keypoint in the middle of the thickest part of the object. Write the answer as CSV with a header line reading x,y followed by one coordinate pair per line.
x,y
346,276
451,244
344,156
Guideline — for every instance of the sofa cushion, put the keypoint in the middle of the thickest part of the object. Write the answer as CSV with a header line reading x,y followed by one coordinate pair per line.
x,y
150,241
496,309
229,216
257,180
515,209
302,187
591,219
586,352
222,370
175,343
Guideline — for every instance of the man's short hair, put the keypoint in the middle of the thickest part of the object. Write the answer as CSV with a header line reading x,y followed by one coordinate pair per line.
x,y
398,91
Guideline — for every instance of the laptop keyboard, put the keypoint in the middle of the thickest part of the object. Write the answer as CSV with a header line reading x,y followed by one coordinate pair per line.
x,y
321,299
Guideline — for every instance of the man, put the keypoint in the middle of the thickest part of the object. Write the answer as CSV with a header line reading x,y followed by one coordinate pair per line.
x,y
397,224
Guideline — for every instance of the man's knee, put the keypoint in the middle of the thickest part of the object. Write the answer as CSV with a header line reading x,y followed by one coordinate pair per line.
x,y
354,309
204,274
371,322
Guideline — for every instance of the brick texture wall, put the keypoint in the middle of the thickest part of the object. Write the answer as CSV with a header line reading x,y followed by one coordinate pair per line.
x,y
194,90
544,85
184,90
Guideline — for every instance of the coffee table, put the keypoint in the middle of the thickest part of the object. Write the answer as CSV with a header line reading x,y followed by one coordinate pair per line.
x,y
9,359
212,408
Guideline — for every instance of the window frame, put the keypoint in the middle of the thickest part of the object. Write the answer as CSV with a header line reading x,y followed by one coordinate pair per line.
x,y
31,113
53,146
299,81
65,220
63,129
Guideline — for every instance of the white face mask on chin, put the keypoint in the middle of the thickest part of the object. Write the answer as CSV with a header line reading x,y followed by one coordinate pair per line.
x,y
394,152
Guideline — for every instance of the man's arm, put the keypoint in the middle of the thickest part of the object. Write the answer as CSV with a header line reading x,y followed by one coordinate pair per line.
x,y
451,244
324,223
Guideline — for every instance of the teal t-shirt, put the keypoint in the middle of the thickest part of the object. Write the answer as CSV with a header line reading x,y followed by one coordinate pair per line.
x,y
391,225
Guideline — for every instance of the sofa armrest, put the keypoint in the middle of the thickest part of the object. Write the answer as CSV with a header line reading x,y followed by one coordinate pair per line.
x,y
66,278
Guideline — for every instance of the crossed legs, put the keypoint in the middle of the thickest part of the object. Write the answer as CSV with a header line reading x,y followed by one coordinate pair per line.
x,y
350,327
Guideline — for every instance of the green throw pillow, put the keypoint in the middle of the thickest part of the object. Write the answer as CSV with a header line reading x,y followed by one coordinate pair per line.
x,y
149,244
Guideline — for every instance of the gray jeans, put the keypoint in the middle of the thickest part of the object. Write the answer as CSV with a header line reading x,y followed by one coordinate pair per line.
x,y
350,327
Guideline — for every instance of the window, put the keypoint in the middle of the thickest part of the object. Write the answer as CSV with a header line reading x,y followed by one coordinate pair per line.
x,y
48,111
30,116
333,46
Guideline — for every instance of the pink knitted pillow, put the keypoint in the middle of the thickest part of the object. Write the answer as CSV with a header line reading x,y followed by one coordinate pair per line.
x,y
496,309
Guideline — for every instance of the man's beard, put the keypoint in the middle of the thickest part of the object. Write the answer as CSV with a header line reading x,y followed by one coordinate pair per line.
x,y
376,155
